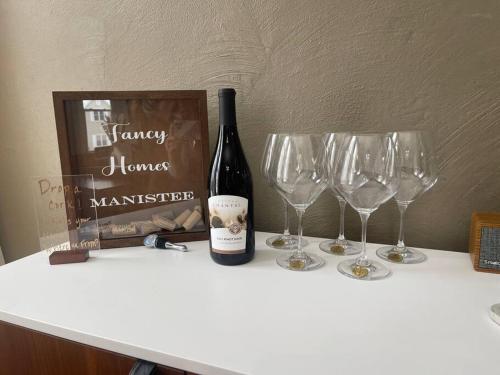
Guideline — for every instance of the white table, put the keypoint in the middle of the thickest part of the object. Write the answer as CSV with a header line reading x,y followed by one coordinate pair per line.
x,y
185,311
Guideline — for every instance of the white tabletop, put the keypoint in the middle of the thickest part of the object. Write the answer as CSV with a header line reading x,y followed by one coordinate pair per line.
x,y
185,311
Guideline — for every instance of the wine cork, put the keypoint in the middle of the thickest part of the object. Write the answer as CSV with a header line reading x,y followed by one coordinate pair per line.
x,y
105,228
168,215
123,229
164,223
105,231
145,226
197,208
192,220
182,217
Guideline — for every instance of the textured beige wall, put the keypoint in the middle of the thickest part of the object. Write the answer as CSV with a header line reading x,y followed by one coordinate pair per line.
x,y
297,65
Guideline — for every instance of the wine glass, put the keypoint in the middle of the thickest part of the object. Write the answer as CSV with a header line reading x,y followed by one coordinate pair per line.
x,y
367,175
284,241
299,174
339,245
418,174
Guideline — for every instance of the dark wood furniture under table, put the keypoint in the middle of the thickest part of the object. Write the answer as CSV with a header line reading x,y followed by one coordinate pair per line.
x,y
27,352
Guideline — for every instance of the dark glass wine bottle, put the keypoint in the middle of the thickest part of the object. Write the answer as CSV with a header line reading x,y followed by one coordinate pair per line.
x,y
230,199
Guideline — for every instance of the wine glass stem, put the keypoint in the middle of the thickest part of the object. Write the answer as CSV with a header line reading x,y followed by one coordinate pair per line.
x,y
286,231
342,204
362,260
401,239
299,251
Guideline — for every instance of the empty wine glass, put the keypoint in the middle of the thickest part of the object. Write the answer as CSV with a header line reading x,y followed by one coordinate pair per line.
x,y
298,172
339,245
418,174
367,175
284,241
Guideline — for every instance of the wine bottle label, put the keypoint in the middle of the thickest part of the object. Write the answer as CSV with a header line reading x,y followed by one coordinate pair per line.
x,y
228,223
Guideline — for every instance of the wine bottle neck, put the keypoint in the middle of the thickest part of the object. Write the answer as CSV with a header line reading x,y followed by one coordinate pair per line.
x,y
227,108
228,133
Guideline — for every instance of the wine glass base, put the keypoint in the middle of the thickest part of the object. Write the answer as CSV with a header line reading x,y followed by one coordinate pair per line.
x,y
306,262
372,271
392,254
339,247
285,242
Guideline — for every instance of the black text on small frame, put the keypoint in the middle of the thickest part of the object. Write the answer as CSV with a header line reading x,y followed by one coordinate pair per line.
x,y
148,154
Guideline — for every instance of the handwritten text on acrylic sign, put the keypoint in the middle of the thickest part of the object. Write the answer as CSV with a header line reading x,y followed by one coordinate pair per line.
x,y
62,191
50,190
160,136
46,187
58,210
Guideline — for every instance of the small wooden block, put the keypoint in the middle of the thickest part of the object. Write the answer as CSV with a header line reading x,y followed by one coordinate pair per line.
x,y
481,224
69,256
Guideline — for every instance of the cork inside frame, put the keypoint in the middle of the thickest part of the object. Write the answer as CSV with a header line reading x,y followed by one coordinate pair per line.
x,y
69,165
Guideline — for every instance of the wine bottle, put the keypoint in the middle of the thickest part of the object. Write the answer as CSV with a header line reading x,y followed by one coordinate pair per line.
x,y
230,199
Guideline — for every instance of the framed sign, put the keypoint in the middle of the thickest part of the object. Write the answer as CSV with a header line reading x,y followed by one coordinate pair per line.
x,y
147,152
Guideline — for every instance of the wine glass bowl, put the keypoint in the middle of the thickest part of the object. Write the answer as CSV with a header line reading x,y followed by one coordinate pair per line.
x,y
367,175
284,241
299,175
418,169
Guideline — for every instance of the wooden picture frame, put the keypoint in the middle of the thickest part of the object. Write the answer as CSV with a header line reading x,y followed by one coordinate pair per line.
x,y
163,135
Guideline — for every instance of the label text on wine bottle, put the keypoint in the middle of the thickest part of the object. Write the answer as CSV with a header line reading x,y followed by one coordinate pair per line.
x,y
228,223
